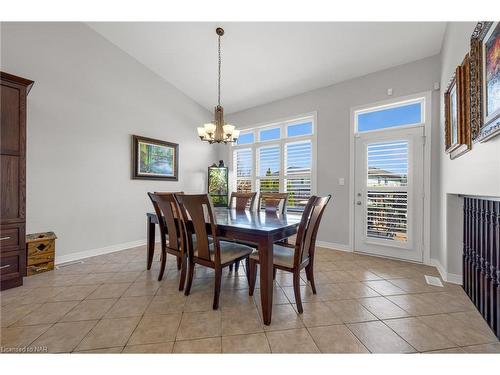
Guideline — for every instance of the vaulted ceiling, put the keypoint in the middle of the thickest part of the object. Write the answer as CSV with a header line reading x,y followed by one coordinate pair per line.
x,y
264,62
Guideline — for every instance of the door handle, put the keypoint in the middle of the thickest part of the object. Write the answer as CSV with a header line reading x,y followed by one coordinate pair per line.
x,y
4,238
6,266
358,203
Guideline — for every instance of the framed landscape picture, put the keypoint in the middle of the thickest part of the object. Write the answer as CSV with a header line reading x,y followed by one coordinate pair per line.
x,y
485,81
457,111
153,159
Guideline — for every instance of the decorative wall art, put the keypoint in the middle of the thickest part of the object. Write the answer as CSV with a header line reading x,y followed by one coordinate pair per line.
x,y
153,159
457,111
485,81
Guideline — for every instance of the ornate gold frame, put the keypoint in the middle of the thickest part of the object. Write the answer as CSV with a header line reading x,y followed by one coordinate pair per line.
x,y
481,130
461,79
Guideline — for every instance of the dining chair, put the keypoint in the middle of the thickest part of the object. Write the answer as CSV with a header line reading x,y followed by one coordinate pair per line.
x,y
217,254
168,213
294,258
272,202
240,200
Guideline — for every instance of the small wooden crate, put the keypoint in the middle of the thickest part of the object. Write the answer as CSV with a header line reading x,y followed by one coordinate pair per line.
x,y
40,252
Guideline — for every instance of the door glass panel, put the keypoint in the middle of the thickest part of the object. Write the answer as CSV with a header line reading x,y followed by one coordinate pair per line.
x,y
387,211
387,164
387,215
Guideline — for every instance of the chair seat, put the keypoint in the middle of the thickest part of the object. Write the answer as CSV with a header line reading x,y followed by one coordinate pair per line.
x,y
282,256
229,251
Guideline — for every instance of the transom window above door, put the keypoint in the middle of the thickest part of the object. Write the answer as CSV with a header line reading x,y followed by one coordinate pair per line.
x,y
279,157
405,113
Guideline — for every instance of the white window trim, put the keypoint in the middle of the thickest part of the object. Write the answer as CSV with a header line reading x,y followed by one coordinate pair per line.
x,y
426,97
282,123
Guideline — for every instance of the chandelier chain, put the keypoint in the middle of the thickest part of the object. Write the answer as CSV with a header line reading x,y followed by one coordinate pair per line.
x,y
218,83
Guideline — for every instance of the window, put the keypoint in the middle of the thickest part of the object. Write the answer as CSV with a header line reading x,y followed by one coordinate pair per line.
x,y
243,162
269,134
299,129
277,158
399,114
245,139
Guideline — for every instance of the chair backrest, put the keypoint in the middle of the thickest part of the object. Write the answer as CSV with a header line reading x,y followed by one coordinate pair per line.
x,y
273,202
167,211
240,201
176,204
308,228
196,214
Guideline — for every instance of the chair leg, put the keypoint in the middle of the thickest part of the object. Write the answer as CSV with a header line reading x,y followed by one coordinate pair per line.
x,y
163,264
179,263
296,290
310,277
218,281
190,279
247,267
252,276
274,273
236,266
230,268
182,281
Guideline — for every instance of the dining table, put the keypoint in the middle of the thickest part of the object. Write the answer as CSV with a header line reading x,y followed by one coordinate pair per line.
x,y
261,228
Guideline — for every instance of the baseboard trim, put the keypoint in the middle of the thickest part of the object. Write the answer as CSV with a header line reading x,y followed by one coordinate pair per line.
x,y
100,251
452,278
334,246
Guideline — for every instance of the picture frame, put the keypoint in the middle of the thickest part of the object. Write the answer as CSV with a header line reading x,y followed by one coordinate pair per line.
x,y
457,111
451,108
485,81
154,159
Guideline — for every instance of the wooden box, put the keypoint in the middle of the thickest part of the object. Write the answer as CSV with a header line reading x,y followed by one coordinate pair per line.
x,y
40,252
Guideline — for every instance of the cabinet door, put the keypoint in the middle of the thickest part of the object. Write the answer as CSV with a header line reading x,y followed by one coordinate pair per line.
x,y
12,124
12,191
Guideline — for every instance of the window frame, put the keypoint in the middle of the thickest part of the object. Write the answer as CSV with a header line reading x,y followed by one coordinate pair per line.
x,y
282,142
395,104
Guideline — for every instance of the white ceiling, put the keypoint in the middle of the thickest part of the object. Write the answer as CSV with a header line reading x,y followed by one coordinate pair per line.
x,y
263,62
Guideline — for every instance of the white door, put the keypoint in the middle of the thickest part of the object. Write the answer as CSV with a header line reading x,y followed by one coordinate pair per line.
x,y
389,193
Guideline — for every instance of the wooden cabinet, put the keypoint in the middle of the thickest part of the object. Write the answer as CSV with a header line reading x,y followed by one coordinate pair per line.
x,y
13,92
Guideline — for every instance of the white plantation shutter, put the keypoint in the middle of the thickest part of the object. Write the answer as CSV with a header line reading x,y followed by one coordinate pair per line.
x,y
387,194
279,160
269,161
243,162
298,167
298,158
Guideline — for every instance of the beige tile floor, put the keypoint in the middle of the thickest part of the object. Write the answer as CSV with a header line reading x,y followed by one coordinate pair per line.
x,y
112,304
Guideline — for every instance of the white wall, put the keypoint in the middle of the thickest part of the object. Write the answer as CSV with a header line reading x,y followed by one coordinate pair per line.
x,y
475,173
333,106
88,98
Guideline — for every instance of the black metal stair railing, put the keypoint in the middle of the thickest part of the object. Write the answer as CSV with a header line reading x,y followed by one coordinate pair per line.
x,y
481,257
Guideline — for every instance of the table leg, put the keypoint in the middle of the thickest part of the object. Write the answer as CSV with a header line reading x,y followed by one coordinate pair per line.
x,y
266,278
151,242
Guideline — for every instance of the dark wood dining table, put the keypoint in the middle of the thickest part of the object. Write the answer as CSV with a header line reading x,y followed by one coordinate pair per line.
x,y
261,228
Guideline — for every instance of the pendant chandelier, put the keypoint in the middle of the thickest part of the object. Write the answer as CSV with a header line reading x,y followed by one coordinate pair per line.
x,y
218,131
